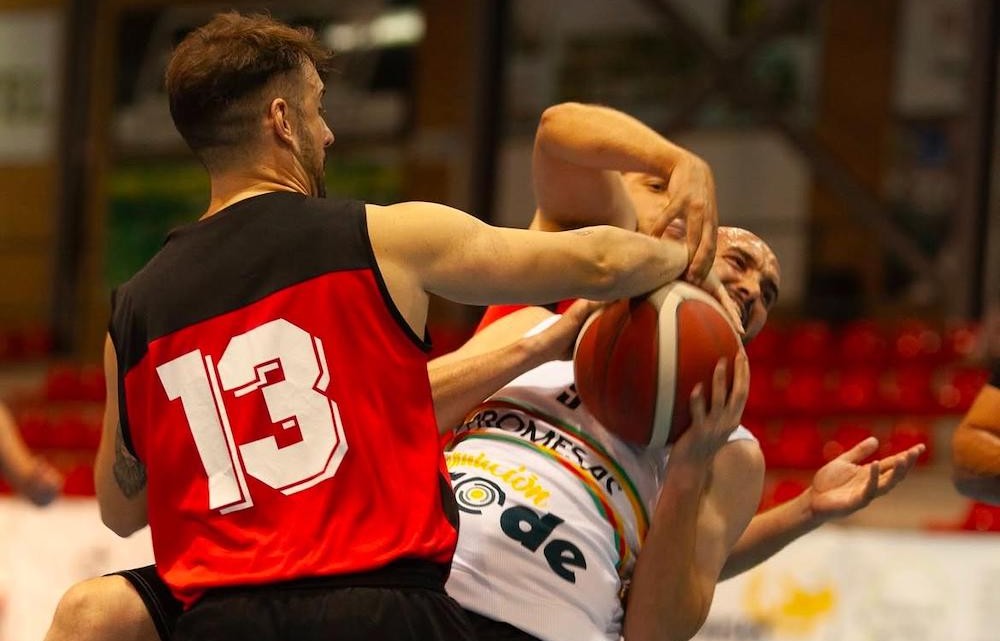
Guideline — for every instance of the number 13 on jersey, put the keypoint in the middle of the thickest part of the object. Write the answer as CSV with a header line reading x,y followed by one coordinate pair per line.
x,y
296,401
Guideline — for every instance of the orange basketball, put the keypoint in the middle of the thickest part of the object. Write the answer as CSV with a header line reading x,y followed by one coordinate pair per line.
x,y
637,361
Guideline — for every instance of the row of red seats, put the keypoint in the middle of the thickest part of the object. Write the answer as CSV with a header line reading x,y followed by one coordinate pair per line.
x,y
69,382
24,343
864,342
63,428
807,444
811,390
76,467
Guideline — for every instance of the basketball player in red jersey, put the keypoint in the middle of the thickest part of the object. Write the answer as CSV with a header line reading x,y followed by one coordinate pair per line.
x,y
269,413
28,475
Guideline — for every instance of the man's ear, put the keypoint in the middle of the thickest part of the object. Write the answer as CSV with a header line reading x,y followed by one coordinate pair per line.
x,y
279,113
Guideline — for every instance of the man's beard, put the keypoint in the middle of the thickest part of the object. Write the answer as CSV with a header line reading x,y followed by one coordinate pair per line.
x,y
321,185
306,159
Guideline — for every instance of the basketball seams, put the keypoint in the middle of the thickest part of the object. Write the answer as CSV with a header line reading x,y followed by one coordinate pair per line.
x,y
642,394
666,390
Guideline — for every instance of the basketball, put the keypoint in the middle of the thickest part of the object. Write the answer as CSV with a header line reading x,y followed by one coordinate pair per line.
x,y
637,361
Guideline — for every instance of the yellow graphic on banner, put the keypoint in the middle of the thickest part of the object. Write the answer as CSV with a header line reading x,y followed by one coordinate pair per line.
x,y
790,609
518,479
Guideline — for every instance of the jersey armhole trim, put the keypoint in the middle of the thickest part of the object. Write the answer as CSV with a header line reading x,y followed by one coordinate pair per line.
x,y
423,343
123,425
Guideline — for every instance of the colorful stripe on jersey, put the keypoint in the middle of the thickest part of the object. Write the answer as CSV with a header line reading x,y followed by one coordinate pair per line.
x,y
603,506
588,441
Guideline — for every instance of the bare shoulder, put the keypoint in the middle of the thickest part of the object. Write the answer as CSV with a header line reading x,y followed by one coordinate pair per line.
x,y
741,459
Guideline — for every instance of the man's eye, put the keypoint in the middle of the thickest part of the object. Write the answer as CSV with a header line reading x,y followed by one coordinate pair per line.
x,y
656,187
737,262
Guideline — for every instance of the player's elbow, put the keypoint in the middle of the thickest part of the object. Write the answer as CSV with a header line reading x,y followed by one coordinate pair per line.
x,y
555,118
122,516
678,622
682,628
121,522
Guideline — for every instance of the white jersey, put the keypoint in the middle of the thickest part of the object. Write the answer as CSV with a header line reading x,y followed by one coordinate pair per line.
x,y
554,509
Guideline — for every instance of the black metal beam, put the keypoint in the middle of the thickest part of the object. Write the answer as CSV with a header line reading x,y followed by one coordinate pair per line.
x,y
74,174
729,78
494,22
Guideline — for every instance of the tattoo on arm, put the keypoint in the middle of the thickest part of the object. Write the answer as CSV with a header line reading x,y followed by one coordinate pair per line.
x,y
130,473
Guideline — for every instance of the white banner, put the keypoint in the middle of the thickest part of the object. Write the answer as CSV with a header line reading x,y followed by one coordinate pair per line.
x,y
45,551
864,585
836,584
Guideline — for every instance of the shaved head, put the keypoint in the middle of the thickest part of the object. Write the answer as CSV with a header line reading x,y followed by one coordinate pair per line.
x,y
749,270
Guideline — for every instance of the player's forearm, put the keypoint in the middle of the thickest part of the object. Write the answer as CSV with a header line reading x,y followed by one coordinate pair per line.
x,y
15,458
458,385
631,263
769,532
120,484
603,138
669,596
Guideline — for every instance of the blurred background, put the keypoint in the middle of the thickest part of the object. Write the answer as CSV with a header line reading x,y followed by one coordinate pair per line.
x,y
858,138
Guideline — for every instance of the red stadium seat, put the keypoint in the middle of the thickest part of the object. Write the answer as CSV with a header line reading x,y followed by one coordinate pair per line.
x,y
982,517
959,387
809,342
34,428
766,435
92,386
797,444
781,491
908,389
36,341
862,342
907,433
845,436
766,394
79,480
915,341
807,392
857,390
765,348
960,341
62,383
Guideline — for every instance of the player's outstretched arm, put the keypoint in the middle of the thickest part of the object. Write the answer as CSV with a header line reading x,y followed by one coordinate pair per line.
x,y
579,152
119,478
976,447
710,491
28,474
433,248
499,354
841,487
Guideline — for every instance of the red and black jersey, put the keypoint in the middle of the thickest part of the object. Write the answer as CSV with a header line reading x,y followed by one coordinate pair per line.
x,y
279,401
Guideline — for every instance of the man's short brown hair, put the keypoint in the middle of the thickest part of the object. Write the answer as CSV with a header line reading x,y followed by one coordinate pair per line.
x,y
215,77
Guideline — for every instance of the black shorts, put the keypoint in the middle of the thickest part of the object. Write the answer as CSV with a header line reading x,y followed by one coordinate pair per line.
x,y
405,601
487,629
163,608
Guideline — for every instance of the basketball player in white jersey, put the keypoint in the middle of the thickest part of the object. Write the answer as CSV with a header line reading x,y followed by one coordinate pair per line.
x,y
567,532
